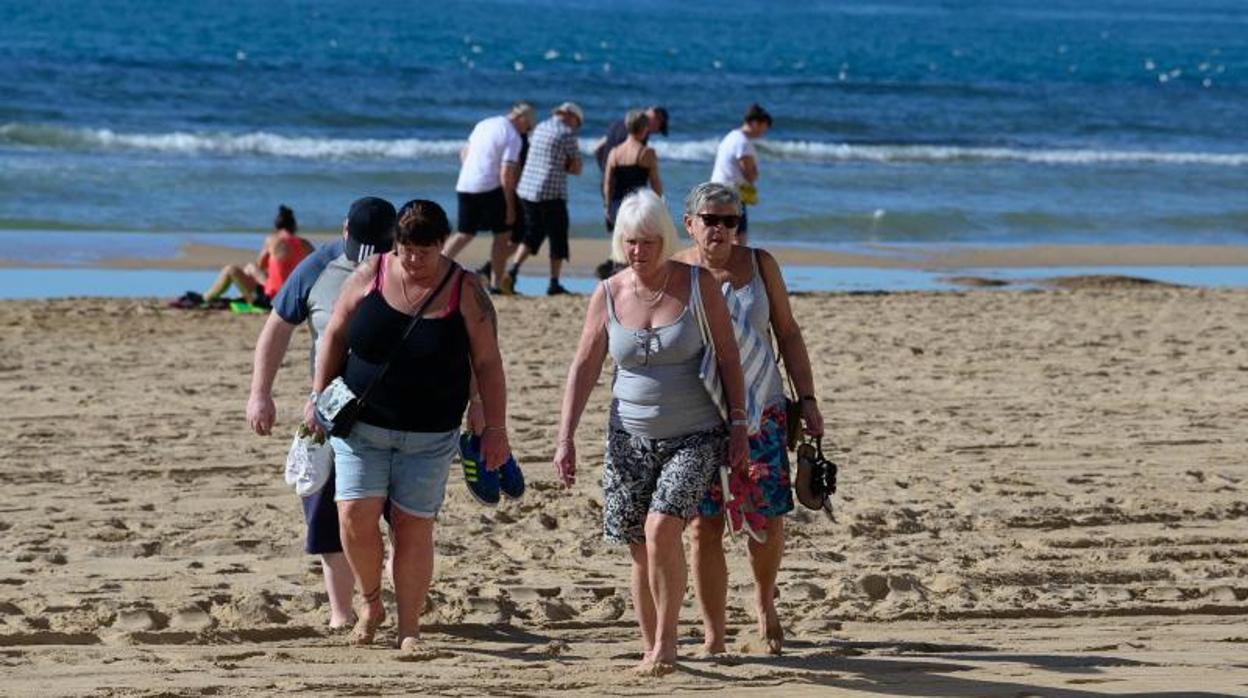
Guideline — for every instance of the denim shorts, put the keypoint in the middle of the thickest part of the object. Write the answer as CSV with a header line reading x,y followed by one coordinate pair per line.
x,y
408,467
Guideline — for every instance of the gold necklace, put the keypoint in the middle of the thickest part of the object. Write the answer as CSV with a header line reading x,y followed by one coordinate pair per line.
x,y
403,285
654,299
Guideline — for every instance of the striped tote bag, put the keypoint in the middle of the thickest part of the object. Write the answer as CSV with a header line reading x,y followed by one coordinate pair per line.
x,y
757,366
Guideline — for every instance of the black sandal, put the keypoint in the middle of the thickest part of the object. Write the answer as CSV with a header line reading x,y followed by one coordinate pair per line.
x,y
816,476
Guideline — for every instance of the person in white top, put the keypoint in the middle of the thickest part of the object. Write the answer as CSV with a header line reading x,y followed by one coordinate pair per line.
x,y
736,162
487,182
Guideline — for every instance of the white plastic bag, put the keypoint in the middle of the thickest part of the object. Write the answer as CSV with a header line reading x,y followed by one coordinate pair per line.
x,y
308,463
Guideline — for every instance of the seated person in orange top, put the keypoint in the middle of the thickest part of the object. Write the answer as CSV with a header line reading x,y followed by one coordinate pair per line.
x,y
281,253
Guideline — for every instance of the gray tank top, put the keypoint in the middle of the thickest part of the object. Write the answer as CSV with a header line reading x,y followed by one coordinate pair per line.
x,y
756,307
657,392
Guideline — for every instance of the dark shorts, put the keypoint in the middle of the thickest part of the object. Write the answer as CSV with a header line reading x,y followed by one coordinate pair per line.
x,y
665,476
518,228
484,211
546,219
320,513
743,227
769,470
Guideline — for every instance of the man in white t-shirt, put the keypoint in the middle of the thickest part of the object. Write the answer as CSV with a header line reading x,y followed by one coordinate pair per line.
x,y
487,185
736,162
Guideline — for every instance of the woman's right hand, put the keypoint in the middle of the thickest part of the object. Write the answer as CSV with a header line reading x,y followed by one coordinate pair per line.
x,y
565,463
309,417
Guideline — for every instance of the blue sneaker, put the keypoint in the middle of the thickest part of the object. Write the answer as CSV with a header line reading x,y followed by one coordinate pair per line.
x,y
482,483
511,479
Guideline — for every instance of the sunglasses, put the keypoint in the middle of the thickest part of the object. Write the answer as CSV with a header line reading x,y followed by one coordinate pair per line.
x,y
729,220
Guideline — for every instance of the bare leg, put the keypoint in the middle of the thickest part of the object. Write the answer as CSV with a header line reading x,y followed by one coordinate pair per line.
x,y
339,584
500,250
643,602
361,541
456,244
765,561
665,554
240,277
556,266
413,569
522,253
710,579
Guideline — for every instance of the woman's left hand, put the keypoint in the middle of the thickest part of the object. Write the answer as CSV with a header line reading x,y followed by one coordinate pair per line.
x,y
476,416
738,448
494,447
813,418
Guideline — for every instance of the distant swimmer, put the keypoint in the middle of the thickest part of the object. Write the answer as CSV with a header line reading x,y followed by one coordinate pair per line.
x,y
543,193
486,188
736,162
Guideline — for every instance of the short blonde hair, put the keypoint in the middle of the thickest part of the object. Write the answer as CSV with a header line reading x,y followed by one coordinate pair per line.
x,y
643,212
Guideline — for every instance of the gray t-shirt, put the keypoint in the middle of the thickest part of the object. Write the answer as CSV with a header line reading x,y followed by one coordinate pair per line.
x,y
311,290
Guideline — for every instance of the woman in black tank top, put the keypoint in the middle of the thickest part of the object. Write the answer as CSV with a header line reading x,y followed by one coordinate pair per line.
x,y
403,443
630,166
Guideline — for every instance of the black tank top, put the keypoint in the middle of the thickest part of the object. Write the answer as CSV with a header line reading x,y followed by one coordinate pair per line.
x,y
626,179
426,386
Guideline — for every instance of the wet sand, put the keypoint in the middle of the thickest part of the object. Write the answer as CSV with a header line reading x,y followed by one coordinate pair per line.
x,y
1042,493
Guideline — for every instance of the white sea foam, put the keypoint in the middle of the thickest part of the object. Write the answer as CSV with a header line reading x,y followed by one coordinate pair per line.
x,y
262,143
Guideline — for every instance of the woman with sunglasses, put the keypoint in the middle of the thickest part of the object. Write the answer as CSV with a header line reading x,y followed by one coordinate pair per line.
x,y
666,438
751,282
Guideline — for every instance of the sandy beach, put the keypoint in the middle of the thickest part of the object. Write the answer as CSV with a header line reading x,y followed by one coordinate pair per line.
x,y
1042,493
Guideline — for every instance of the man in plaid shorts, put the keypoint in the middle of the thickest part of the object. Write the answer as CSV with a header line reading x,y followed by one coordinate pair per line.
x,y
543,193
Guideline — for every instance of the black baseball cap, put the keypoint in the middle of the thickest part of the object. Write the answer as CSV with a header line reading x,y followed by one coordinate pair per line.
x,y
370,228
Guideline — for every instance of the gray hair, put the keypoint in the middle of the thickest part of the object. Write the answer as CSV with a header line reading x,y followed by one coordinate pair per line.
x,y
712,193
636,120
643,212
524,109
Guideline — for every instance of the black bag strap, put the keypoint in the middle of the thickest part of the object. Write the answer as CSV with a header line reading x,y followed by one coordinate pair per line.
x,y
398,346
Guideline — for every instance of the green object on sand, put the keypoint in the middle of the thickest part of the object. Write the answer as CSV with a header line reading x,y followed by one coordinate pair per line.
x,y
245,308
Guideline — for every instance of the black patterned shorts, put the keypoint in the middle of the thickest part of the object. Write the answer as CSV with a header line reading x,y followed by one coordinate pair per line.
x,y
666,476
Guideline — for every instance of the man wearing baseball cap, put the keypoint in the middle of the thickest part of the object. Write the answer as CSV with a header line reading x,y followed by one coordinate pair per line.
x,y
543,192
309,294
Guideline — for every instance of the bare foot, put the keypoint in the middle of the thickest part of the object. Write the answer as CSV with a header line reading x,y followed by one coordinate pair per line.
x,y
772,633
370,618
654,667
711,650
338,623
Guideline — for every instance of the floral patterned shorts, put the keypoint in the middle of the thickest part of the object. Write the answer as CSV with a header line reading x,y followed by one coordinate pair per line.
x,y
666,476
769,469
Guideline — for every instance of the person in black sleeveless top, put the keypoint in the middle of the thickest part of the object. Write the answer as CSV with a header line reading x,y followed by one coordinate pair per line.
x,y
630,166
402,446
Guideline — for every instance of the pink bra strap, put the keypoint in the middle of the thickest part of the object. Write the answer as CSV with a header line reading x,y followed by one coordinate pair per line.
x,y
453,303
380,277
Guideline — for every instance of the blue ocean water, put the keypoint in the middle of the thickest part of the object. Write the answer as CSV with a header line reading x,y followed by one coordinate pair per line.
x,y
1002,121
